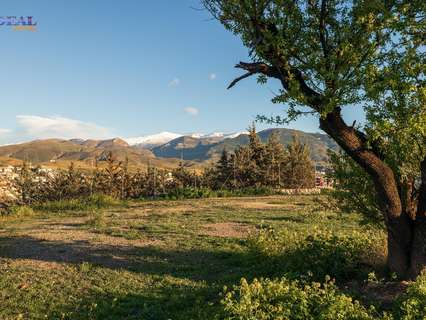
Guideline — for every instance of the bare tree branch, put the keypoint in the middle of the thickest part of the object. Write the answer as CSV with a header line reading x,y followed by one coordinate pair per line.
x,y
235,81
254,68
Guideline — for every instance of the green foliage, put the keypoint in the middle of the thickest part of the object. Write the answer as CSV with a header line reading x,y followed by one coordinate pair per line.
x,y
287,300
412,304
94,202
316,254
299,170
188,193
264,165
21,211
340,46
353,189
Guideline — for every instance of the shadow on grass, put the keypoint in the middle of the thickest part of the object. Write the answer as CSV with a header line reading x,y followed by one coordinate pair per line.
x,y
186,283
195,264
212,268
177,303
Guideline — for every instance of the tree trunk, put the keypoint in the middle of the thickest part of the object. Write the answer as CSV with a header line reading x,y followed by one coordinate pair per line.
x,y
406,227
399,236
407,246
418,247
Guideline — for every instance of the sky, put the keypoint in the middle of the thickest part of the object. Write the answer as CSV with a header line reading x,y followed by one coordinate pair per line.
x,y
109,68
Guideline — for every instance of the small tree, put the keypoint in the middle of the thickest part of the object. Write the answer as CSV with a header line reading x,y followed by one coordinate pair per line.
x,y
299,171
274,160
26,183
258,163
223,171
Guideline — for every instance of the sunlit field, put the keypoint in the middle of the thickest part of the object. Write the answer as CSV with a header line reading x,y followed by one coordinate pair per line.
x,y
172,259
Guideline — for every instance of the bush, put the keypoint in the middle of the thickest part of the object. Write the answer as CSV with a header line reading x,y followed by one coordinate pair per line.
x,y
80,204
188,193
412,304
204,192
257,191
315,255
286,299
21,211
248,191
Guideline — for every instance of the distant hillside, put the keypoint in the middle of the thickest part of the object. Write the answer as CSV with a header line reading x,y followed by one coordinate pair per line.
x,y
196,150
82,152
187,147
207,148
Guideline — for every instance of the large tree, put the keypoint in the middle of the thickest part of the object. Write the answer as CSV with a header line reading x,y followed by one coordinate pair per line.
x,y
368,55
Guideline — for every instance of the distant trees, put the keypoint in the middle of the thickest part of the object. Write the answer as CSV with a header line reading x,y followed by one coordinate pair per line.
x,y
299,170
255,165
267,164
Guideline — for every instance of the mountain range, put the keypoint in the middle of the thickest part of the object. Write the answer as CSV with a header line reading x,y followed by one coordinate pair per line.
x,y
165,149
161,138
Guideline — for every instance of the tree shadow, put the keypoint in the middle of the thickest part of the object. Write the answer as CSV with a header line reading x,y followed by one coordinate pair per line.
x,y
194,264
170,300
215,268
177,303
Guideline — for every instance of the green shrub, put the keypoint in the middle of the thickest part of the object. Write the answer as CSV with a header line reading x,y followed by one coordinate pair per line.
x,y
96,218
248,191
188,193
256,191
80,204
21,211
412,304
354,189
287,300
202,192
317,254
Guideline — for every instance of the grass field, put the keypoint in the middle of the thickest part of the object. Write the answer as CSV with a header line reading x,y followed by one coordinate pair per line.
x,y
152,260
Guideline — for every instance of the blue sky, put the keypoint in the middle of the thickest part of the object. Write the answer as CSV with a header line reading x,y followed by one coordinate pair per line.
x,y
125,68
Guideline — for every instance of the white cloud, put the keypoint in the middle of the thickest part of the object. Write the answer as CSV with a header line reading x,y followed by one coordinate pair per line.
x,y
37,127
191,111
212,76
174,83
5,131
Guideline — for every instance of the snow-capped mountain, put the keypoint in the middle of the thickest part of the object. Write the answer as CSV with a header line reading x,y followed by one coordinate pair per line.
x,y
219,135
161,138
153,140
235,134
157,147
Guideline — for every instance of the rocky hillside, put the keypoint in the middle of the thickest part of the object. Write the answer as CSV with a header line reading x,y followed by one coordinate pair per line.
x,y
83,152
201,149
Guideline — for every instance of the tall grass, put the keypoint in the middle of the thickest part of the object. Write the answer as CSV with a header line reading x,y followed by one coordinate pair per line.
x,y
94,202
